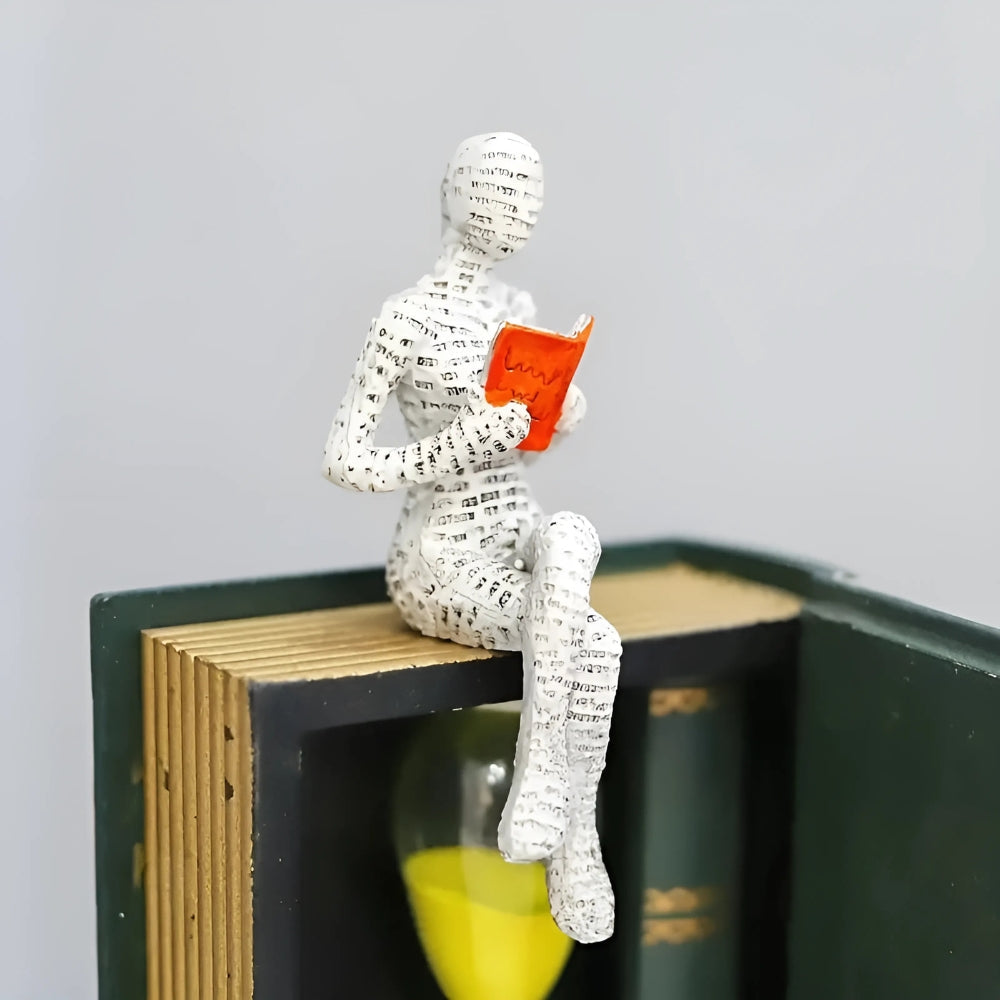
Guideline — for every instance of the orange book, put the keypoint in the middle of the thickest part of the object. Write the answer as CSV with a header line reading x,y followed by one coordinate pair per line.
x,y
535,367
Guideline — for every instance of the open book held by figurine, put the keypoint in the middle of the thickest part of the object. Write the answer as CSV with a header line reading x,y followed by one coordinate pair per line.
x,y
536,367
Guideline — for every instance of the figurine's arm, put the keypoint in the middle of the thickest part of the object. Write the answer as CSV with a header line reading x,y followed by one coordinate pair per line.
x,y
352,461
573,411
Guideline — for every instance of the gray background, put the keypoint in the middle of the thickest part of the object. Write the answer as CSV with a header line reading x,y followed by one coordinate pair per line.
x,y
783,215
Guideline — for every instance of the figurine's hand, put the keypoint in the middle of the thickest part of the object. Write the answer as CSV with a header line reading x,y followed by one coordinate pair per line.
x,y
521,307
492,429
573,411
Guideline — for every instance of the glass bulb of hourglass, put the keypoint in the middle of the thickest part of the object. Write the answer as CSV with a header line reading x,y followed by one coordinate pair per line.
x,y
484,924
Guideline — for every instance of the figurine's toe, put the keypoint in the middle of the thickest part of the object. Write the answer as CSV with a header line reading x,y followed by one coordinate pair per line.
x,y
588,921
580,895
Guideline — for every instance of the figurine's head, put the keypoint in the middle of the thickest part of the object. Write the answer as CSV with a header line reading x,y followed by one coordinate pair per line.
x,y
492,193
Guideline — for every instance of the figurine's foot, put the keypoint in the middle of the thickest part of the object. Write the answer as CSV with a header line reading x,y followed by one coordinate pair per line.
x,y
580,894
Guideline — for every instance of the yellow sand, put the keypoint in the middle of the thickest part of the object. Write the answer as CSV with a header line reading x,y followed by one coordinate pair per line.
x,y
485,924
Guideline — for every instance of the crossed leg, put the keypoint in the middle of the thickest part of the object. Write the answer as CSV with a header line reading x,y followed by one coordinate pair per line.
x,y
562,554
571,660
571,664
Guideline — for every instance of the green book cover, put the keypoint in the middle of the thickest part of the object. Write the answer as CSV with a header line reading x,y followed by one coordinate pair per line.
x,y
896,877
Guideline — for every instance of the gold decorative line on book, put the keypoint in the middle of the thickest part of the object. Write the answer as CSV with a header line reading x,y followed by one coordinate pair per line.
x,y
680,899
666,701
677,930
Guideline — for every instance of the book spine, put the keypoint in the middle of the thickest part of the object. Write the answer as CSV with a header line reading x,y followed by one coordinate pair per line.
x,y
679,847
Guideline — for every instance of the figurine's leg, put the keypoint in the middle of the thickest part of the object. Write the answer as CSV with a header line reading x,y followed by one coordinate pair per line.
x,y
580,892
459,595
563,554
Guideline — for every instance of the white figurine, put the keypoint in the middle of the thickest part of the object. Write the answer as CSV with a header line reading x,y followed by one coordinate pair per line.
x,y
474,559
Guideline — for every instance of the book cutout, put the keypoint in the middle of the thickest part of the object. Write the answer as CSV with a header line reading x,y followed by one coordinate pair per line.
x,y
535,367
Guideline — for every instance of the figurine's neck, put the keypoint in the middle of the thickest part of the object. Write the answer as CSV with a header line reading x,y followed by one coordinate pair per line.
x,y
462,267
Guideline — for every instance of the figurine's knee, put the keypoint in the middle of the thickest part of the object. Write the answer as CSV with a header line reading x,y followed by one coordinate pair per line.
x,y
566,534
603,641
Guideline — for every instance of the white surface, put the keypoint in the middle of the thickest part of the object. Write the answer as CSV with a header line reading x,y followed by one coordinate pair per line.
x,y
795,290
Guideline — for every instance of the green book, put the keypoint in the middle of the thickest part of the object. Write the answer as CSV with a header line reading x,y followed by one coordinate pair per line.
x,y
245,736
801,800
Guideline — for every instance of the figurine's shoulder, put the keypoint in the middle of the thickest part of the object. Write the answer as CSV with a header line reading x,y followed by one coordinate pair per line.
x,y
403,319
424,311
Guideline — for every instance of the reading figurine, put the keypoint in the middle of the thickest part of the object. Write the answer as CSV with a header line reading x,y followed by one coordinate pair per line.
x,y
473,558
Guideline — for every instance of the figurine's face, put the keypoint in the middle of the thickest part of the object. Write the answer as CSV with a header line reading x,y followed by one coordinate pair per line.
x,y
492,192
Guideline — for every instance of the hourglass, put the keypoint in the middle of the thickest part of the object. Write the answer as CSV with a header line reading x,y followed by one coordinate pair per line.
x,y
484,924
